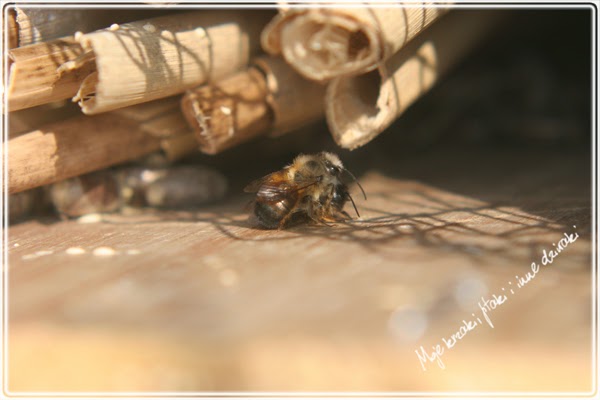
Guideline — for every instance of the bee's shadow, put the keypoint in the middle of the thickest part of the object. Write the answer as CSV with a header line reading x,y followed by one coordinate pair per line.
x,y
437,229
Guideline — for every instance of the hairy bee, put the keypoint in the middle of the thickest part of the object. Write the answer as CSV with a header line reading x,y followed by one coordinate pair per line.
x,y
310,187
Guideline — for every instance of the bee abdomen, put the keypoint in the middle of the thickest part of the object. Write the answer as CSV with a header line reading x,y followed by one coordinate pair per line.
x,y
270,215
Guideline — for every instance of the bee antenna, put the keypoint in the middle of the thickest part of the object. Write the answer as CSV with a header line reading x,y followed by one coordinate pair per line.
x,y
358,183
355,209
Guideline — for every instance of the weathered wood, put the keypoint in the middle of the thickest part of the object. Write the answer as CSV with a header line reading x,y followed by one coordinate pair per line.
x,y
30,119
74,147
358,108
31,24
82,144
35,77
327,43
156,58
11,28
229,112
39,24
260,100
200,300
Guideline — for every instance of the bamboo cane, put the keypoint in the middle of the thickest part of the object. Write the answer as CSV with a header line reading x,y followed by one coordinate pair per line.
x,y
293,100
178,147
360,108
163,119
35,24
11,28
73,147
267,98
31,24
228,112
50,70
81,144
29,119
151,59
36,76
325,43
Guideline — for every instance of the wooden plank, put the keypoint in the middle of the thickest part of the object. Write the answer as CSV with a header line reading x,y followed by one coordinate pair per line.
x,y
200,300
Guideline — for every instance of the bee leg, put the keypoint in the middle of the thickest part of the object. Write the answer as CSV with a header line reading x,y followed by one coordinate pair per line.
x,y
314,215
322,221
312,218
346,217
310,210
318,221
284,221
326,220
287,217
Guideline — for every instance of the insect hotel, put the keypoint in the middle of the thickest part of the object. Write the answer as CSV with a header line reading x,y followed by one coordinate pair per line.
x,y
273,199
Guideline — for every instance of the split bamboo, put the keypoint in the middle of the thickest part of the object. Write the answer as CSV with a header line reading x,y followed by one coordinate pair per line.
x,y
36,76
359,108
325,43
31,24
267,98
151,59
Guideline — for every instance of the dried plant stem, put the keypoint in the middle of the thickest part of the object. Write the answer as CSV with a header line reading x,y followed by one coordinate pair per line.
x,y
269,97
31,24
325,43
164,120
36,76
228,112
11,28
36,24
83,144
293,100
161,118
359,108
29,119
151,59
73,147
177,147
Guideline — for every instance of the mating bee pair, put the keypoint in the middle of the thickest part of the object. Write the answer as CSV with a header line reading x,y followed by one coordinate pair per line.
x,y
311,187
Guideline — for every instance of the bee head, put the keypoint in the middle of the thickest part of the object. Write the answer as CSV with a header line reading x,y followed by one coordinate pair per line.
x,y
332,163
334,166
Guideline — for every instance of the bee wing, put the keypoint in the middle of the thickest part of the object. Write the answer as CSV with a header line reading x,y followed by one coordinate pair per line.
x,y
276,186
255,185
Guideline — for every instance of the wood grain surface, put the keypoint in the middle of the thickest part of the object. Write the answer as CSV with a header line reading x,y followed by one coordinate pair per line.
x,y
72,147
35,77
201,300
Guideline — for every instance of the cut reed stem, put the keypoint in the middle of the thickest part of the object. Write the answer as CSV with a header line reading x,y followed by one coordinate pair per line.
x,y
151,59
325,43
268,98
36,76
83,144
359,108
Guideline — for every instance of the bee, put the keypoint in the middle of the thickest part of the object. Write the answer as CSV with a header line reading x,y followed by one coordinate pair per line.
x,y
311,188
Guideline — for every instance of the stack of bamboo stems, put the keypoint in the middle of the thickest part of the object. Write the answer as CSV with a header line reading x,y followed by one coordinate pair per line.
x,y
126,73
376,61
360,68
196,80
